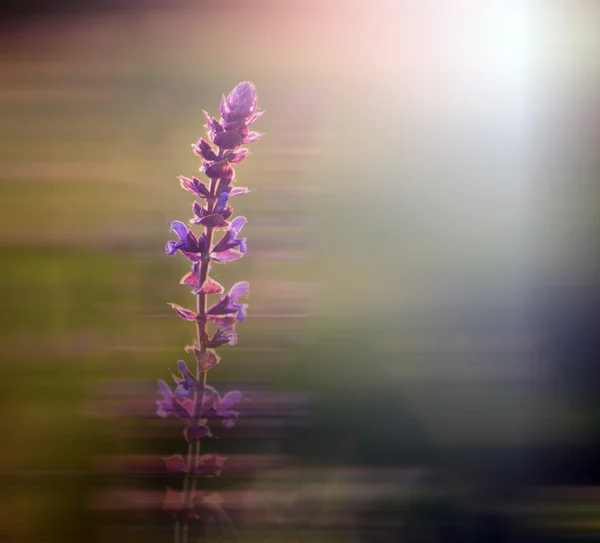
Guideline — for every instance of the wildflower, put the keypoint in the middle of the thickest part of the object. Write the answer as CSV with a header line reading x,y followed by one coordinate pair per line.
x,y
228,306
186,382
230,247
188,244
193,401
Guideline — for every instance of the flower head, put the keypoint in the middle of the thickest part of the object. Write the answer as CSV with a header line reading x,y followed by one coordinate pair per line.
x,y
188,244
240,103
230,247
169,405
228,306
186,382
221,408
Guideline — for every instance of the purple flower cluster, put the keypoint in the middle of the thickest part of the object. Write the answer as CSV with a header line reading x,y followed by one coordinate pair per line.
x,y
192,400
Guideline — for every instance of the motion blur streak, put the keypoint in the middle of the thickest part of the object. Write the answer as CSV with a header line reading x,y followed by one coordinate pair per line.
x,y
422,352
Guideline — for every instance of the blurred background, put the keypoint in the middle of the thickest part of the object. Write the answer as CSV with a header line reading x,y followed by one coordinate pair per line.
x,y
422,342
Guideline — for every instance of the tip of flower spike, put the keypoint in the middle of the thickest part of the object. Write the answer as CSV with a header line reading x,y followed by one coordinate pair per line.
x,y
241,102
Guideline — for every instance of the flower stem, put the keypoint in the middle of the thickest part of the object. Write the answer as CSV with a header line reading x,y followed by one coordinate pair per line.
x,y
193,454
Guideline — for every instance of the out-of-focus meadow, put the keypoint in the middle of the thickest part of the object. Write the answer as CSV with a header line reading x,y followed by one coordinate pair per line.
x,y
421,254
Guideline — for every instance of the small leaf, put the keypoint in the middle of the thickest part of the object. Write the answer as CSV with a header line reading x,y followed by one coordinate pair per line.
x,y
194,185
252,137
210,286
229,255
190,348
184,313
206,360
210,465
236,191
213,221
173,502
175,463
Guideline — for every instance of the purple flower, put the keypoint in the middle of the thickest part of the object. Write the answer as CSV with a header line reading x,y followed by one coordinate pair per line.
x,y
222,408
229,139
203,149
192,400
186,382
228,306
188,244
230,247
195,186
216,219
223,336
169,405
241,102
210,286
164,407
218,170
235,157
214,126
225,186
221,203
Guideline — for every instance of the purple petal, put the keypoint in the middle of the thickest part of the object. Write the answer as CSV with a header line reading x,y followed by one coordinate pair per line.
x,y
228,255
180,411
194,257
219,170
229,139
221,202
191,278
182,367
194,185
222,321
171,247
213,221
180,229
252,137
224,110
236,157
203,149
198,210
242,100
255,117
237,224
236,191
202,244
238,290
162,411
223,337
165,389
242,312
237,126
209,120
231,398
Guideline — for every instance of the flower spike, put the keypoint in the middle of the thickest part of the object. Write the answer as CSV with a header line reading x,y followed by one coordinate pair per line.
x,y
192,400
